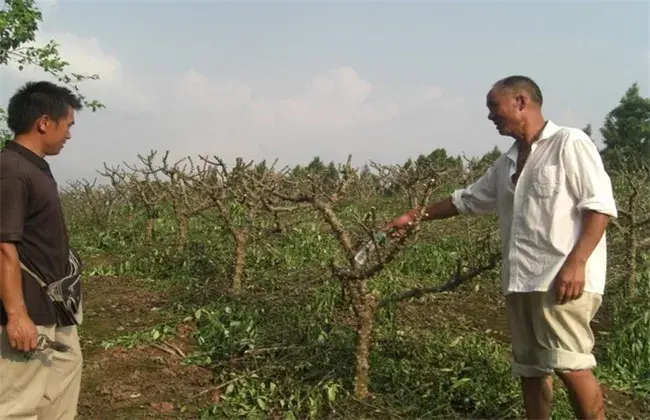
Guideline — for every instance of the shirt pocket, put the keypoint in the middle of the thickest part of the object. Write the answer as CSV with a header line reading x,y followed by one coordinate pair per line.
x,y
545,182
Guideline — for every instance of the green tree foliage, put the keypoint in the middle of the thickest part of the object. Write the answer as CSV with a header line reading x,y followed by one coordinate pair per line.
x,y
480,165
626,131
19,21
440,158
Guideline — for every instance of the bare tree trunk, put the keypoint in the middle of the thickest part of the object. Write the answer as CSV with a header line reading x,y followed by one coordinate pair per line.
x,y
413,201
183,228
238,261
630,288
364,305
279,228
148,235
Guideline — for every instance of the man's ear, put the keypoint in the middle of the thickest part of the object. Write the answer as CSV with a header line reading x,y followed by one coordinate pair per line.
x,y
522,101
41,125
43,122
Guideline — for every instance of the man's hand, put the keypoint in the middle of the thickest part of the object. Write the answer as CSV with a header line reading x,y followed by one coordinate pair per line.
x,y
440,210
570,281
22,333
400,224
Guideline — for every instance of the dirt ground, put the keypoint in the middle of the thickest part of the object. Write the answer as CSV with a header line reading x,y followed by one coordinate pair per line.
x,y
141,382
150,382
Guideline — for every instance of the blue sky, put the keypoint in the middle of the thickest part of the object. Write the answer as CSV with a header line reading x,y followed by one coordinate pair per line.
x,y
292,80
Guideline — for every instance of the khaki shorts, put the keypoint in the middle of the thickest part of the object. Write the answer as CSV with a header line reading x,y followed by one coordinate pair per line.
x,y
45,387
548,337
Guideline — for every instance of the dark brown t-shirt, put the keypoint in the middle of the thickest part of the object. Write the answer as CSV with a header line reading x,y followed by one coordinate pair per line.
x,y
32,218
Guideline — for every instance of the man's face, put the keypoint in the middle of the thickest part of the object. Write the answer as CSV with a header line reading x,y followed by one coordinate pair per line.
x,y
56,133
506,111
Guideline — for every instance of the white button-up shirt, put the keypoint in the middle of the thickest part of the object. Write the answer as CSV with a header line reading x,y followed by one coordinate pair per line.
x,y
540,217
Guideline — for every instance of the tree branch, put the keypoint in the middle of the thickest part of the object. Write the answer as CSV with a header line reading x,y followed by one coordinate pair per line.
x,y
451,284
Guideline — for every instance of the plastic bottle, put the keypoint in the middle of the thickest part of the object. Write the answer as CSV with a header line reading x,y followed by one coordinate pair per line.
x,y
369,247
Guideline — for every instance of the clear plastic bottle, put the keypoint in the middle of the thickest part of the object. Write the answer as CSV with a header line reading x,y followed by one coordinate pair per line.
x,y
362,255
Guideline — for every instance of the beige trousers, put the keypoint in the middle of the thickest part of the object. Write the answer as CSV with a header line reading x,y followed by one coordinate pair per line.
x,y
45,387
548,337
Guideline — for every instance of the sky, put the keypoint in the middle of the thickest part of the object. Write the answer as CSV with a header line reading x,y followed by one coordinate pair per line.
x,y
382,81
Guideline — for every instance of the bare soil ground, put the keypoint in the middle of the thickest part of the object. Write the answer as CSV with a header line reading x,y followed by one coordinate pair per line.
x,y
151,382
141,382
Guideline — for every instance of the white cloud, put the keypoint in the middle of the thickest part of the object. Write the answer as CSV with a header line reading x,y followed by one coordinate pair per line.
x,y
86,56
336,99
330,114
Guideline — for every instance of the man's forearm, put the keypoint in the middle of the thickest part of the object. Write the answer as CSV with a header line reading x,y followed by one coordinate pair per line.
x,y
439,210
594,225
11,288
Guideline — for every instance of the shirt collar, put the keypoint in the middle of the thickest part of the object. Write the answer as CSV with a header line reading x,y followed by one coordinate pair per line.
x,y
29,155
549,131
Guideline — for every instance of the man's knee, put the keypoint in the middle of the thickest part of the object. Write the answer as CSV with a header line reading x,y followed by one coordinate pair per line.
x,y
576,378
529,371
584,392
534,382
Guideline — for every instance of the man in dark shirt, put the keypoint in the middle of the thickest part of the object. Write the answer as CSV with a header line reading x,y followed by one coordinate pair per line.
x,y
34,245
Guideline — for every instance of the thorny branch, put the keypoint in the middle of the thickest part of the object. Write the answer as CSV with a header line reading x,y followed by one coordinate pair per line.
x,y
634,219
451,284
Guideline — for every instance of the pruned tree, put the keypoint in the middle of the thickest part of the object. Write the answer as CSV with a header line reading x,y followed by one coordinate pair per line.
x,y
415,178
174,182
371,253
141,190
632,186
95,202
626,134
236,203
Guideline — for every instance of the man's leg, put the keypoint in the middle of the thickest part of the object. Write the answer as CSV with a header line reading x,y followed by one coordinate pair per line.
x,y
565,332
22,381
62,392
538,396
585,394
537,384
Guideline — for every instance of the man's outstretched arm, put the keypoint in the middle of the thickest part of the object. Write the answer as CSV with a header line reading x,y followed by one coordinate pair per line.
x,y
442,209
478,198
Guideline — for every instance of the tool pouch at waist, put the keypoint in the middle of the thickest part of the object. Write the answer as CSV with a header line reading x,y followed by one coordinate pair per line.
x,y
64,293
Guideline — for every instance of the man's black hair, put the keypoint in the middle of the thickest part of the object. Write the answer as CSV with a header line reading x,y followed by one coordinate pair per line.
x,y
35,99
519,83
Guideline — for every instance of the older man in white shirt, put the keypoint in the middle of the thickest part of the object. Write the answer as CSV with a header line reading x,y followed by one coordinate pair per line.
x,y
554,201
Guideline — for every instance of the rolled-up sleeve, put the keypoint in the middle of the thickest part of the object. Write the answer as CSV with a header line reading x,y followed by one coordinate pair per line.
x,y
13,205
586,176
479,197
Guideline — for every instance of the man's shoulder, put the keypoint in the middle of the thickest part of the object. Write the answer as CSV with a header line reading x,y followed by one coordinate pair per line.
x,y
572,133
502,160
10,164
568,136
14,164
